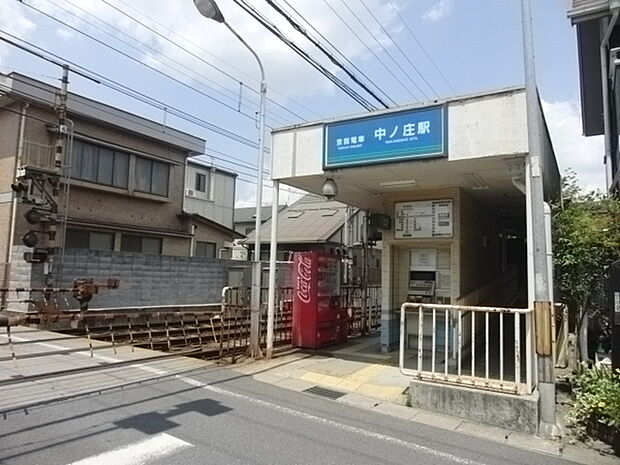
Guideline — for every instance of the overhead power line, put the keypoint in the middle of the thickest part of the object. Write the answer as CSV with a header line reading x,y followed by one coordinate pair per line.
x,y
185,50
231,160
253,78
415,37
337,51
303,54
387,52
79,18
326,52
387,33
125,90
377,57
130,57
225,92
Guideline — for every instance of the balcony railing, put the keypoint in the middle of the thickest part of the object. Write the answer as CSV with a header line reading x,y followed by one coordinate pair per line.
x,y
38,156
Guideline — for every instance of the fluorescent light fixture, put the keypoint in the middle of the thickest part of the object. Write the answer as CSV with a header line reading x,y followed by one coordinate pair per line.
x,y
399,183
477,183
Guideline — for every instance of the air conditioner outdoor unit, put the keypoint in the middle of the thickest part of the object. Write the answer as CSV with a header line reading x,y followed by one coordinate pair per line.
x,y
190,192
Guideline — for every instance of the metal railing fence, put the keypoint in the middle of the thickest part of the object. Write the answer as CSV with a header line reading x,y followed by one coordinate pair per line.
x,y
362,320
478,347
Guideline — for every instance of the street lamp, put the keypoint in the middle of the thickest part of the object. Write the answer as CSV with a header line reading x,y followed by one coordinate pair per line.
x,y
210,10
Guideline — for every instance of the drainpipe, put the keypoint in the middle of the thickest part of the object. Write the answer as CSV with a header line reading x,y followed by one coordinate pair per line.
x,y
18,157
615,6
192,240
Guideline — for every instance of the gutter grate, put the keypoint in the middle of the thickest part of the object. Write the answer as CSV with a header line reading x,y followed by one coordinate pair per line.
x,y
324,392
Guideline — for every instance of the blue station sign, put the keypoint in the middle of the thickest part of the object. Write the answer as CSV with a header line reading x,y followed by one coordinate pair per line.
x,y
401,136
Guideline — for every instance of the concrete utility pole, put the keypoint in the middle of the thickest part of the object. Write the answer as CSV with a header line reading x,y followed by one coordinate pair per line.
x,y
273,251
546,375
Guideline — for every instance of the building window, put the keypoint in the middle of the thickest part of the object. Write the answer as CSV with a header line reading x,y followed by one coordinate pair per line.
x,y
92,240
201,182
152,176
99,164
141,244
205,249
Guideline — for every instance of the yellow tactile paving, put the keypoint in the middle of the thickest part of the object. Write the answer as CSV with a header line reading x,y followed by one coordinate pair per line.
x,y
357,382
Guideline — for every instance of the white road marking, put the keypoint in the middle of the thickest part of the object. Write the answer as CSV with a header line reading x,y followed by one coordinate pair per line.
x,y
288,411
334,424
138,453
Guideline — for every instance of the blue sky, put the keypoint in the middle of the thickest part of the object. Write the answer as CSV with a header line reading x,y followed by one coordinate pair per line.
x,y
476,46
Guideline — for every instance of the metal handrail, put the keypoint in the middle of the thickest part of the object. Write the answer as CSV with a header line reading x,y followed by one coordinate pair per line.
x,y
458,333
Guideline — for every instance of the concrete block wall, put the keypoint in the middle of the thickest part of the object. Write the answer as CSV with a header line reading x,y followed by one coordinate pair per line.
x,y
148,279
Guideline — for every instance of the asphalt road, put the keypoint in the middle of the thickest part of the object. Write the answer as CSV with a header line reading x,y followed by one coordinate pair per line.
x,y
222,417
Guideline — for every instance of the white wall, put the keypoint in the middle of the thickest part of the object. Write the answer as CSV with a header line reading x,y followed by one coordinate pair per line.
x,y
479,126
217,203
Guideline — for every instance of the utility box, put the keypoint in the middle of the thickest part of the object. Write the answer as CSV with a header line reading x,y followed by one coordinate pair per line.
x,y
318,319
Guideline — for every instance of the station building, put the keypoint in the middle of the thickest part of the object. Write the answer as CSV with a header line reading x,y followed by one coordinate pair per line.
x,y
452,176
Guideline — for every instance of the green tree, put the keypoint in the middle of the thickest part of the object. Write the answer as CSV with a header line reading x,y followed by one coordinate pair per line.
x,y
586,240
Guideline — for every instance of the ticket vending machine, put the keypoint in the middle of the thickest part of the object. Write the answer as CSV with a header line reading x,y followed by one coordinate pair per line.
x,y
318,319
422,275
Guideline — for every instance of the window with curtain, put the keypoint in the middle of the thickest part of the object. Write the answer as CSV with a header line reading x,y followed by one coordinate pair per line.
x,y
152,176
98,164
92,240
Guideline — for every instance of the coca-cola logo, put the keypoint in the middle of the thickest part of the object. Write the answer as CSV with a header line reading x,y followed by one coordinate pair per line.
x,y
304,279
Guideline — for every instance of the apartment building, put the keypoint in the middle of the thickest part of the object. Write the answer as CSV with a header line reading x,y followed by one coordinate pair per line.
x,y
123,188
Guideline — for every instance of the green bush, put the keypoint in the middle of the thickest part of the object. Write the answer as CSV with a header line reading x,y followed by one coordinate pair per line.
x,y
596,410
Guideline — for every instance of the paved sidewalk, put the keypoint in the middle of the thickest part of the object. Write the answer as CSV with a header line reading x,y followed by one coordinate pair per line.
x,y
365,378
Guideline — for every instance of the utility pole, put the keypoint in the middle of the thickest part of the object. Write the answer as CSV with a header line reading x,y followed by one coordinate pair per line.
x,y
52,269
546,365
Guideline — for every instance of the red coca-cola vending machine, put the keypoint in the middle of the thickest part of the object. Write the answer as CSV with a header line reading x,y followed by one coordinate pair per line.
x,y
318,319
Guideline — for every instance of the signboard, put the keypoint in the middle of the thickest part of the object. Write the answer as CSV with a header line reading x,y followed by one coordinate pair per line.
x,y
423,260
427,219
386,138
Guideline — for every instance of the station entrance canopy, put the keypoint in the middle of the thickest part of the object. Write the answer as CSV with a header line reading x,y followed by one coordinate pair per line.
x,y
476,143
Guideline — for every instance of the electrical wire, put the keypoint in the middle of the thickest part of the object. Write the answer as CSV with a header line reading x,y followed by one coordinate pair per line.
x,y
336,50
125,90
128,56
250,181
387,33
405,23
388,53
377,57
253,12
253,78
231,160
326,52
233,95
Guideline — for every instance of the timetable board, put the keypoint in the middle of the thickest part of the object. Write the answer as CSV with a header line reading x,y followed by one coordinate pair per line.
x,y
423,219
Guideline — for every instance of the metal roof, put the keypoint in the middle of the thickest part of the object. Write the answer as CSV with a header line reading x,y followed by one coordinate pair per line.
x,y
583,10
248,214
23,87
309,220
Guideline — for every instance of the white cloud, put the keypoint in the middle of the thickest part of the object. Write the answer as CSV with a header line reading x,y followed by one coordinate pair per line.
x,y
65,34
284,69
572,150
438,11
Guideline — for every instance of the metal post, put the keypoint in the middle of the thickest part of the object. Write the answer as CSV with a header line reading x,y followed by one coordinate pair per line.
x,y
14,201
254,349
272,267
364,306
546,374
